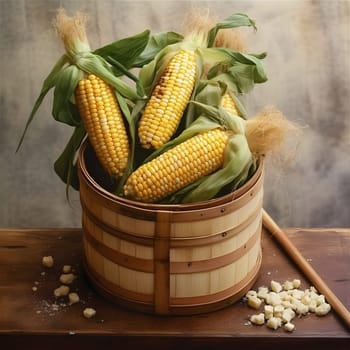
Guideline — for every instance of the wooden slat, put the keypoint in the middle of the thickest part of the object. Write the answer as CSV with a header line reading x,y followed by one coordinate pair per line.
x,y
162,262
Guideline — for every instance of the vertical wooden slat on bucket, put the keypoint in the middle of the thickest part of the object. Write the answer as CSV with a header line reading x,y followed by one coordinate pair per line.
x,y
162,263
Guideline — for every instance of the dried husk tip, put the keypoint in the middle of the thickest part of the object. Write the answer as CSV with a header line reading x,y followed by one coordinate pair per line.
x,y
72,31
233,38
198,23
269,131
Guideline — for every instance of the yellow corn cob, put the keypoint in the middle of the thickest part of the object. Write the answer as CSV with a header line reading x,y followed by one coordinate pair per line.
x,y
104,123
228,104
169,99
180,166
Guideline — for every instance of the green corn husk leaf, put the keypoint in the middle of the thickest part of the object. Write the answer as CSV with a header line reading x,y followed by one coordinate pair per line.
x,y
239,104
137,50
156,43
189,113
244,176
207,92
239,71
256,71
234,21
125,51
65,165
117,66
231,122
210,92
63,110
130,118
48,84
178,196
97,65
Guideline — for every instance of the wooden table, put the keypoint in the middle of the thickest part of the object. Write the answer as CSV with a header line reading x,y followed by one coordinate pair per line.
x,y
31,319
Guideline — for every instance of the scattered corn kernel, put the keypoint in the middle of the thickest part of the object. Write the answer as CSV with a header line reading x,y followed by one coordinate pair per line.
x,y
284,294
268,310
301,309
254,302
288,285
313,305
278,310
251,293
274,322
286,304
289,327
306,299
47,261
275,286
73,298
262,292
273,299
313,289
297,294
287,315
66,269
89,312
322,309
67,278
61,291
257,319
296,283
320,299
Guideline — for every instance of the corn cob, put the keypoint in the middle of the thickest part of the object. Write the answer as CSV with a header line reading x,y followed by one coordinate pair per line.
x,y
178,167
229,104
168,101
104,123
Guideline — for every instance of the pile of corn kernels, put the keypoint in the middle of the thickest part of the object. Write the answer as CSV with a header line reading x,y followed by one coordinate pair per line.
x,y
281,303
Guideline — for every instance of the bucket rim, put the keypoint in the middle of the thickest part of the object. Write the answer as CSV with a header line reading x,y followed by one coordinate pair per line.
x,y
225,199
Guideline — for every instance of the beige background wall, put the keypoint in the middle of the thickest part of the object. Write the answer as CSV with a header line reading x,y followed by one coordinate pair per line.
x,y
308,45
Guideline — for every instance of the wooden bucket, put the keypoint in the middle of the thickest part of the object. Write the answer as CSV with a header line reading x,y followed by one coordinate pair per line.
x,y
170,259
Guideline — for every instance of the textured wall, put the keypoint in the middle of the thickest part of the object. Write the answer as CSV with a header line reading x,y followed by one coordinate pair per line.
x,y
309,74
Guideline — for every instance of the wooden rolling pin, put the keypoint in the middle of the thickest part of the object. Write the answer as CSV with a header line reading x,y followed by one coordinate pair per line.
x,y
306,268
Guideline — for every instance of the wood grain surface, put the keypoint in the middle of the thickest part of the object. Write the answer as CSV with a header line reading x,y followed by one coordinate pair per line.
x,y
308,46
31,320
